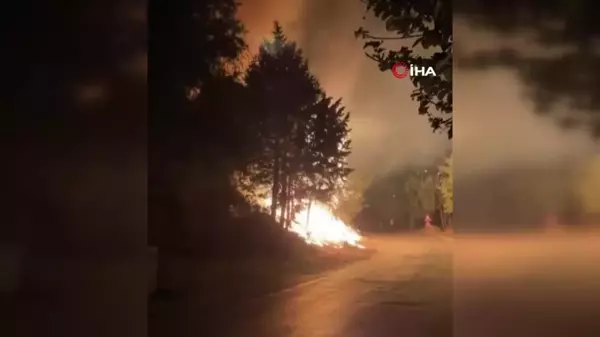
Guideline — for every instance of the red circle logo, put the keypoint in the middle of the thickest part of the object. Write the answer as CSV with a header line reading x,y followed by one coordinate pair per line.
x,y
400,70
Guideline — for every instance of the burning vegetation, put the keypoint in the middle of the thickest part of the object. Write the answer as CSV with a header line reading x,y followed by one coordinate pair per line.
x,y
317,225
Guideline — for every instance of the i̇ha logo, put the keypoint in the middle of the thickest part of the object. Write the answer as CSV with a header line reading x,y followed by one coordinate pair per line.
x,y
401,70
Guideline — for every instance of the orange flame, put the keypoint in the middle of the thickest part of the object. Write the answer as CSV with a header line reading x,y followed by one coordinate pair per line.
x,y
320,227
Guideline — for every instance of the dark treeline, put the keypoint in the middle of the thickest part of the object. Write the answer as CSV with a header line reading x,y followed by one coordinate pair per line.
x,y
400,200
229,132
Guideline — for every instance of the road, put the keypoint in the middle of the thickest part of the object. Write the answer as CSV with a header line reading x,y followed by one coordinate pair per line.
x,y
403,290
472,286
526,285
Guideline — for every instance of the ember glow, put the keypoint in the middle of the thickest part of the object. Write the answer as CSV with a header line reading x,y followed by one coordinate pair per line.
x,y
322,228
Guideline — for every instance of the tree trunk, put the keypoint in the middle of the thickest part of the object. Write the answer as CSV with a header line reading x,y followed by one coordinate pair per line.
x,y
289,203
284,199
291,212
275,188
167,225
442,219
288,215
308,212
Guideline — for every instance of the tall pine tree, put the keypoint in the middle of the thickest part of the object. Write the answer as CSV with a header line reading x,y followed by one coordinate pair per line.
x,y
282,89
304,136
330,147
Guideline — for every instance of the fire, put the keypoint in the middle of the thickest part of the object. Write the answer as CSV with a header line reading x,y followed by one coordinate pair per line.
x,y
320,227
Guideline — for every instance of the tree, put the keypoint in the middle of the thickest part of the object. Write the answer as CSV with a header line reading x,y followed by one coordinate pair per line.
x,y
420,189
398,200
281,90
191,158
445,187
427,25
330,147
426,194
303,134
412,188
352,198
385,205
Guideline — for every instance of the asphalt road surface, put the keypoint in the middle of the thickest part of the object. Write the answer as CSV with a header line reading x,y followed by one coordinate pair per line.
x,y
405,289
526,285
475,286
472,286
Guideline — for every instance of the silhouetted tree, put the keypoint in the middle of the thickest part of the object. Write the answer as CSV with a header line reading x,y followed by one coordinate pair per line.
x,y
398,201
329,149
425,25
194,128
195,40
281,90
304,137
427,194
385,204
352,198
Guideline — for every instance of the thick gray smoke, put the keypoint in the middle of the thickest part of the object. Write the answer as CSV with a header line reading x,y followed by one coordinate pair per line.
x,y
511,164
498,136
386,131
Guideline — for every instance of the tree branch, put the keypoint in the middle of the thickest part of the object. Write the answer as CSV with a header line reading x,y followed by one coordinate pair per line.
x,y
369,36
